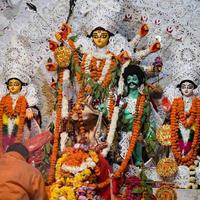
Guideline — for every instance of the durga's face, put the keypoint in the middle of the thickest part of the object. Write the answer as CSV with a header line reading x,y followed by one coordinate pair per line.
x,y
100,38
14,86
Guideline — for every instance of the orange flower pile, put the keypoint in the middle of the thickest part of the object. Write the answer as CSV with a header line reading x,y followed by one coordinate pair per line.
x,y
75,157
19,110
56,130
188,120
135,132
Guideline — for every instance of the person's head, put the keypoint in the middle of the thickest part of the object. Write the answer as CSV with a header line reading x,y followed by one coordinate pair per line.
x,y
187,87
133,76
19,148
14,85
100,37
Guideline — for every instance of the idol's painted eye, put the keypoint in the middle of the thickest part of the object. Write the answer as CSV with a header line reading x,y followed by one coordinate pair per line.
x,y
187,86
95,36
183,86
13,84
190,86
104,36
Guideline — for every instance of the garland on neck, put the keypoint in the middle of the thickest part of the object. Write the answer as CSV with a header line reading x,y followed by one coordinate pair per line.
x,y
98,69
18,111
135,132
178,115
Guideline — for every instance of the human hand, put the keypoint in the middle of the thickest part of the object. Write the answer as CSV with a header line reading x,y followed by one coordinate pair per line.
x,y
123,57
103,108
140,138
100,147
143,30
155,46
29,113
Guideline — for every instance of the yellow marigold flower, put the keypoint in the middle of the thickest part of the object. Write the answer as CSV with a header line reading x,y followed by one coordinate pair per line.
x,y
193,127
79,177
17,120
87,172
77,184
5,119
94,156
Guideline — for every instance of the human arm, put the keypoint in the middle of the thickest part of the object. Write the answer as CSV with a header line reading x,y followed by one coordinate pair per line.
x,y
143,31
38,191
103,108
141,54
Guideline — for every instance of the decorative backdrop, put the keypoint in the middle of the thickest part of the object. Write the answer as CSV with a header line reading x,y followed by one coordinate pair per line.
x,y
175,22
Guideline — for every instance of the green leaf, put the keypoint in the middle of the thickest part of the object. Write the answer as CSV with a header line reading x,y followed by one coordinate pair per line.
x,y
49,60
73,38
143,176
138,190
59,86
149,190
51,127
47,148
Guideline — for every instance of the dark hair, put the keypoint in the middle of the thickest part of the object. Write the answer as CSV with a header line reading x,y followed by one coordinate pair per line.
x,y
179,85
134,69
19,148
23,84
101,29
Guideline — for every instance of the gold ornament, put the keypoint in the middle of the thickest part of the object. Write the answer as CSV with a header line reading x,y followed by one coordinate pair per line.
x,y
62,56
163,135
166,167
166,193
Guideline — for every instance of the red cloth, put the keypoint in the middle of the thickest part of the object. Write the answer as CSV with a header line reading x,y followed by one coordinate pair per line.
x,y
35,146
105,169
38,141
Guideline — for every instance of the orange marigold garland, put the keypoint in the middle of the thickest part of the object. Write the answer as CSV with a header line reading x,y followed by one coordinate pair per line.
x,y
55,148
19,110
135,132
188,120
74,52
111,106
95,68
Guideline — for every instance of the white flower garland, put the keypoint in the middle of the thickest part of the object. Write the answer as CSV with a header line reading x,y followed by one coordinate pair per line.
x,y
87,63
89,163
65,98
105,70
115,115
